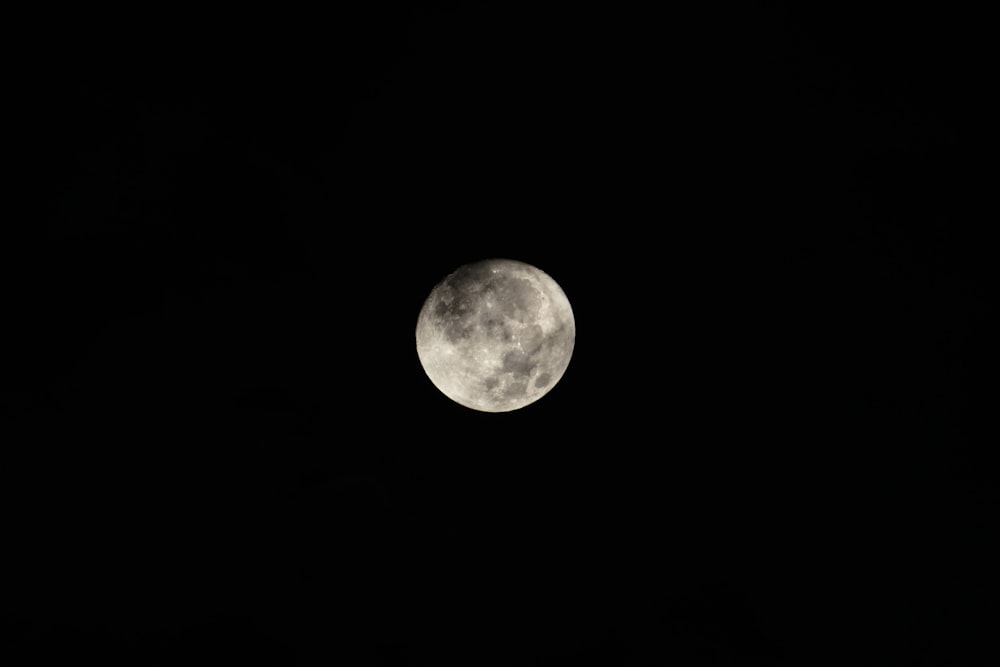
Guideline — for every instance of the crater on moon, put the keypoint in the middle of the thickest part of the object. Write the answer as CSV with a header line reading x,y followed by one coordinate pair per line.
x,y
496,335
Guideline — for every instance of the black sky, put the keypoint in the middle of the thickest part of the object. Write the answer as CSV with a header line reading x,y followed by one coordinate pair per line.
x,y
773,446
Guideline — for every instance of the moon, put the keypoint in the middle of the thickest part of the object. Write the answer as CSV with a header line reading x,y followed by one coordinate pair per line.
x,y
496,335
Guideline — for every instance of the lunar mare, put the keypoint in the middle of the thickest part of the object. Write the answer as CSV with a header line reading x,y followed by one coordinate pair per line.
x,y
496,335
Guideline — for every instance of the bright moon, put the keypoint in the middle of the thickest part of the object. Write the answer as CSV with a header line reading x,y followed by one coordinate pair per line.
x,y
496,335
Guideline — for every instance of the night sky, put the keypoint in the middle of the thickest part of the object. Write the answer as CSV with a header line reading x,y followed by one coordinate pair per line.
x,y
774,445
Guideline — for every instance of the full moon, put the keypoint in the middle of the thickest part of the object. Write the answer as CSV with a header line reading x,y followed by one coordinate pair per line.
x,y
496,335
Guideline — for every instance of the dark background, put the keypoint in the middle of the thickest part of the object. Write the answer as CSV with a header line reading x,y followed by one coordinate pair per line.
x,y
773,446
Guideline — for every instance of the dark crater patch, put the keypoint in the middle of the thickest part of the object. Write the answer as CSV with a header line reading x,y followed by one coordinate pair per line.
x,y
458,330
543,380
472,278
518,363
453,312
517,298
443,309
491,383
457,306
532,338
516,390
494,326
